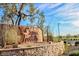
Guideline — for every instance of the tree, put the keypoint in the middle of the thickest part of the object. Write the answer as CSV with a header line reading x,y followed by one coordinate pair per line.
x,y
34,12
7,13
41,22
15,14
11,10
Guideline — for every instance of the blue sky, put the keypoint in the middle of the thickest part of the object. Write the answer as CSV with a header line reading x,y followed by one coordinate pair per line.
x,y
65,14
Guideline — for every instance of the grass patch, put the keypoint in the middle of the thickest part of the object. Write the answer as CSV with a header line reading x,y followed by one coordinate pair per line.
x,y
74,53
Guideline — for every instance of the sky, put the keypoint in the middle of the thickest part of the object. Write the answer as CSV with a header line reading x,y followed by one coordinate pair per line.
x,y
67,15
64,14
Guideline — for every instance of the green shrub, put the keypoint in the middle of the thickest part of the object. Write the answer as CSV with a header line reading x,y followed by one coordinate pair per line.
x,y
74,54
76,43
11,36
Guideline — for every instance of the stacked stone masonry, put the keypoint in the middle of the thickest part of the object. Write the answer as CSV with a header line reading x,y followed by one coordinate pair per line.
x,y
54,49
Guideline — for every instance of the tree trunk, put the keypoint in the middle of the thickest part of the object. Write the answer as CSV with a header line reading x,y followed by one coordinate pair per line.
x,y
42,35
19,20
47,35
12,21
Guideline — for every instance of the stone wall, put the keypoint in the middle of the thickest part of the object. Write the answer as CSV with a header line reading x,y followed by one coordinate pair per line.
x,y
21,33
32,33
54,49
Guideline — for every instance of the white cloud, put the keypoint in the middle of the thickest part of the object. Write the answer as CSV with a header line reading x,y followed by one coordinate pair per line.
x,y
75,23
42,7
53,5
65,8
69,11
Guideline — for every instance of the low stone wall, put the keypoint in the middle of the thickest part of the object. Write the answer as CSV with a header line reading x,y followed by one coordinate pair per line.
x,y
54,49
19,34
